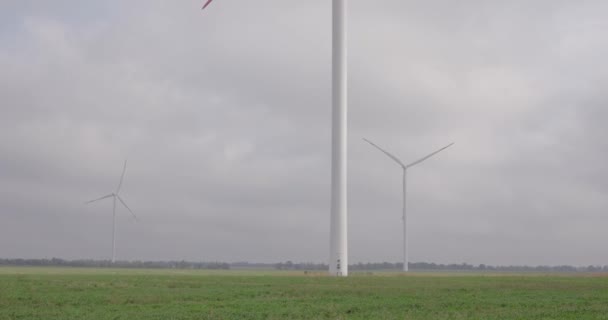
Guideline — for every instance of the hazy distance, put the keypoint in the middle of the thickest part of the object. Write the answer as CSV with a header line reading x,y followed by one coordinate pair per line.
x,y
224,117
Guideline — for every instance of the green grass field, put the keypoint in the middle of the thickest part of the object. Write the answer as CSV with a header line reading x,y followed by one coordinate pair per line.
x,y
56,293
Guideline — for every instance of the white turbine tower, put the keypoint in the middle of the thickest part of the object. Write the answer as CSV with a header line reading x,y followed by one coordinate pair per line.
x,y
338,253
405,167
114,196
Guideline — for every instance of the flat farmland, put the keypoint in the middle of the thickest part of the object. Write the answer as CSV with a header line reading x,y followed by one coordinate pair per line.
x,y
73,293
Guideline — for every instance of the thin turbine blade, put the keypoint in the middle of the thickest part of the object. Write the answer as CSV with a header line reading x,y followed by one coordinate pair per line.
x,y
206,4
385,152
428,156
126,206
122,176
104,197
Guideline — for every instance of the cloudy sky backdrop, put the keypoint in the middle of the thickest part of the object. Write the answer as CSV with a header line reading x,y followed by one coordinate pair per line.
x,y
224,116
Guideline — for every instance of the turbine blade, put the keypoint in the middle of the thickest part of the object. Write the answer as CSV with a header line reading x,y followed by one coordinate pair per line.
x,y
428,156
385,152
126,206
104,197
122,176
206,4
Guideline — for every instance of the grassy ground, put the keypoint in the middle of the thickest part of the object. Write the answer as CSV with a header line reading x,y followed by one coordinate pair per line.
x,y
55,293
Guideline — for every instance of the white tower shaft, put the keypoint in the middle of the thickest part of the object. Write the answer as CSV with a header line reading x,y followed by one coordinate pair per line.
x,y
338,261
405,260
113,229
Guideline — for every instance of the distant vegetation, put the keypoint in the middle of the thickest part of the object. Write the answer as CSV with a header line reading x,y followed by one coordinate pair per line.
x,y
481,267
289,265
55,262
425,266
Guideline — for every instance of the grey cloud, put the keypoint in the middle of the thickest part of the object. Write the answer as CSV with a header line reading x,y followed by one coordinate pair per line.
x,y
224,117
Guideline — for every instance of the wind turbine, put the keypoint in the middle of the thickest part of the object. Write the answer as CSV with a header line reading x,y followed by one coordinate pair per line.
x,y
338,256
114,195
405,167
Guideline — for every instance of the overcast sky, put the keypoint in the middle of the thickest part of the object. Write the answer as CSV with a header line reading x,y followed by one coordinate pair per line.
x,y
224,117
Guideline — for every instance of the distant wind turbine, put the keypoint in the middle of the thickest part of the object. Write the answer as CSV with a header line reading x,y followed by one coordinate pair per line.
x,y
405,167
114,196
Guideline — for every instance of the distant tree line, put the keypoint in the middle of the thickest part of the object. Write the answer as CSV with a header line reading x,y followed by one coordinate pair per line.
x,y
118,264
425,266
289,265
300,266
